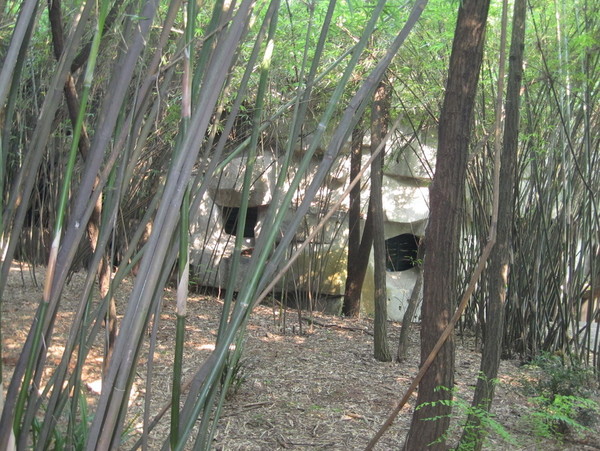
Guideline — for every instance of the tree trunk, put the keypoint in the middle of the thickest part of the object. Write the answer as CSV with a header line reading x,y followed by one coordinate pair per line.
x,y
443,231
357,262
379,121
411,308
500,260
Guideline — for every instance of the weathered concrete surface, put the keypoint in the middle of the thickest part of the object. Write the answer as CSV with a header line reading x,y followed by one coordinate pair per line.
x,y
321,269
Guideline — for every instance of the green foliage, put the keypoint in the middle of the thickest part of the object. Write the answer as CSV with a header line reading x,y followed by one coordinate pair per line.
x,y
561,402
486,424
233,375
559,415
562,376
415,261
75,437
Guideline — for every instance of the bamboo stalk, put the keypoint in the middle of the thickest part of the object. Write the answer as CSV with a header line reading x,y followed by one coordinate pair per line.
x,y
184,264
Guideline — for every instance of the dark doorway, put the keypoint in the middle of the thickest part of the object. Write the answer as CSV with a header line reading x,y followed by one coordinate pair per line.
x,y
230,220
401,252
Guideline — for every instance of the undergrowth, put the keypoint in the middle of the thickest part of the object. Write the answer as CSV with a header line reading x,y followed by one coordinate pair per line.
x,y
487,424
561,397
560,405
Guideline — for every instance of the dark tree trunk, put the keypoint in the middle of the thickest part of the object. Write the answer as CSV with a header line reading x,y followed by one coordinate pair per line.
x,y
357,262
379,121
500,260
443,231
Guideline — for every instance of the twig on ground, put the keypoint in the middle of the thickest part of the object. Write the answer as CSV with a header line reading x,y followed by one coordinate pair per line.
x,y
337,326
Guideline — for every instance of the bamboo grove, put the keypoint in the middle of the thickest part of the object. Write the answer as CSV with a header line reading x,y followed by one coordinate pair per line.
x,y
116,115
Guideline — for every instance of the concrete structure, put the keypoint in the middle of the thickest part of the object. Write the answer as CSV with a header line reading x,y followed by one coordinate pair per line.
x,y
321,270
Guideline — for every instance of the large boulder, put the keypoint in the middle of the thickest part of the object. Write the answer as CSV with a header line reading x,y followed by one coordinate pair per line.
x,y
226,190
399,288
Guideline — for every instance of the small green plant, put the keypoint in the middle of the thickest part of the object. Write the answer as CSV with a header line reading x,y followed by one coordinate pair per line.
x,y
233,375
561,401
562,375
553,418
415,261
77,431
486,424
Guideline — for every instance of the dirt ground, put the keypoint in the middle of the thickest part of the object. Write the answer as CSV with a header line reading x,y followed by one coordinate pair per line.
x,y
303,386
